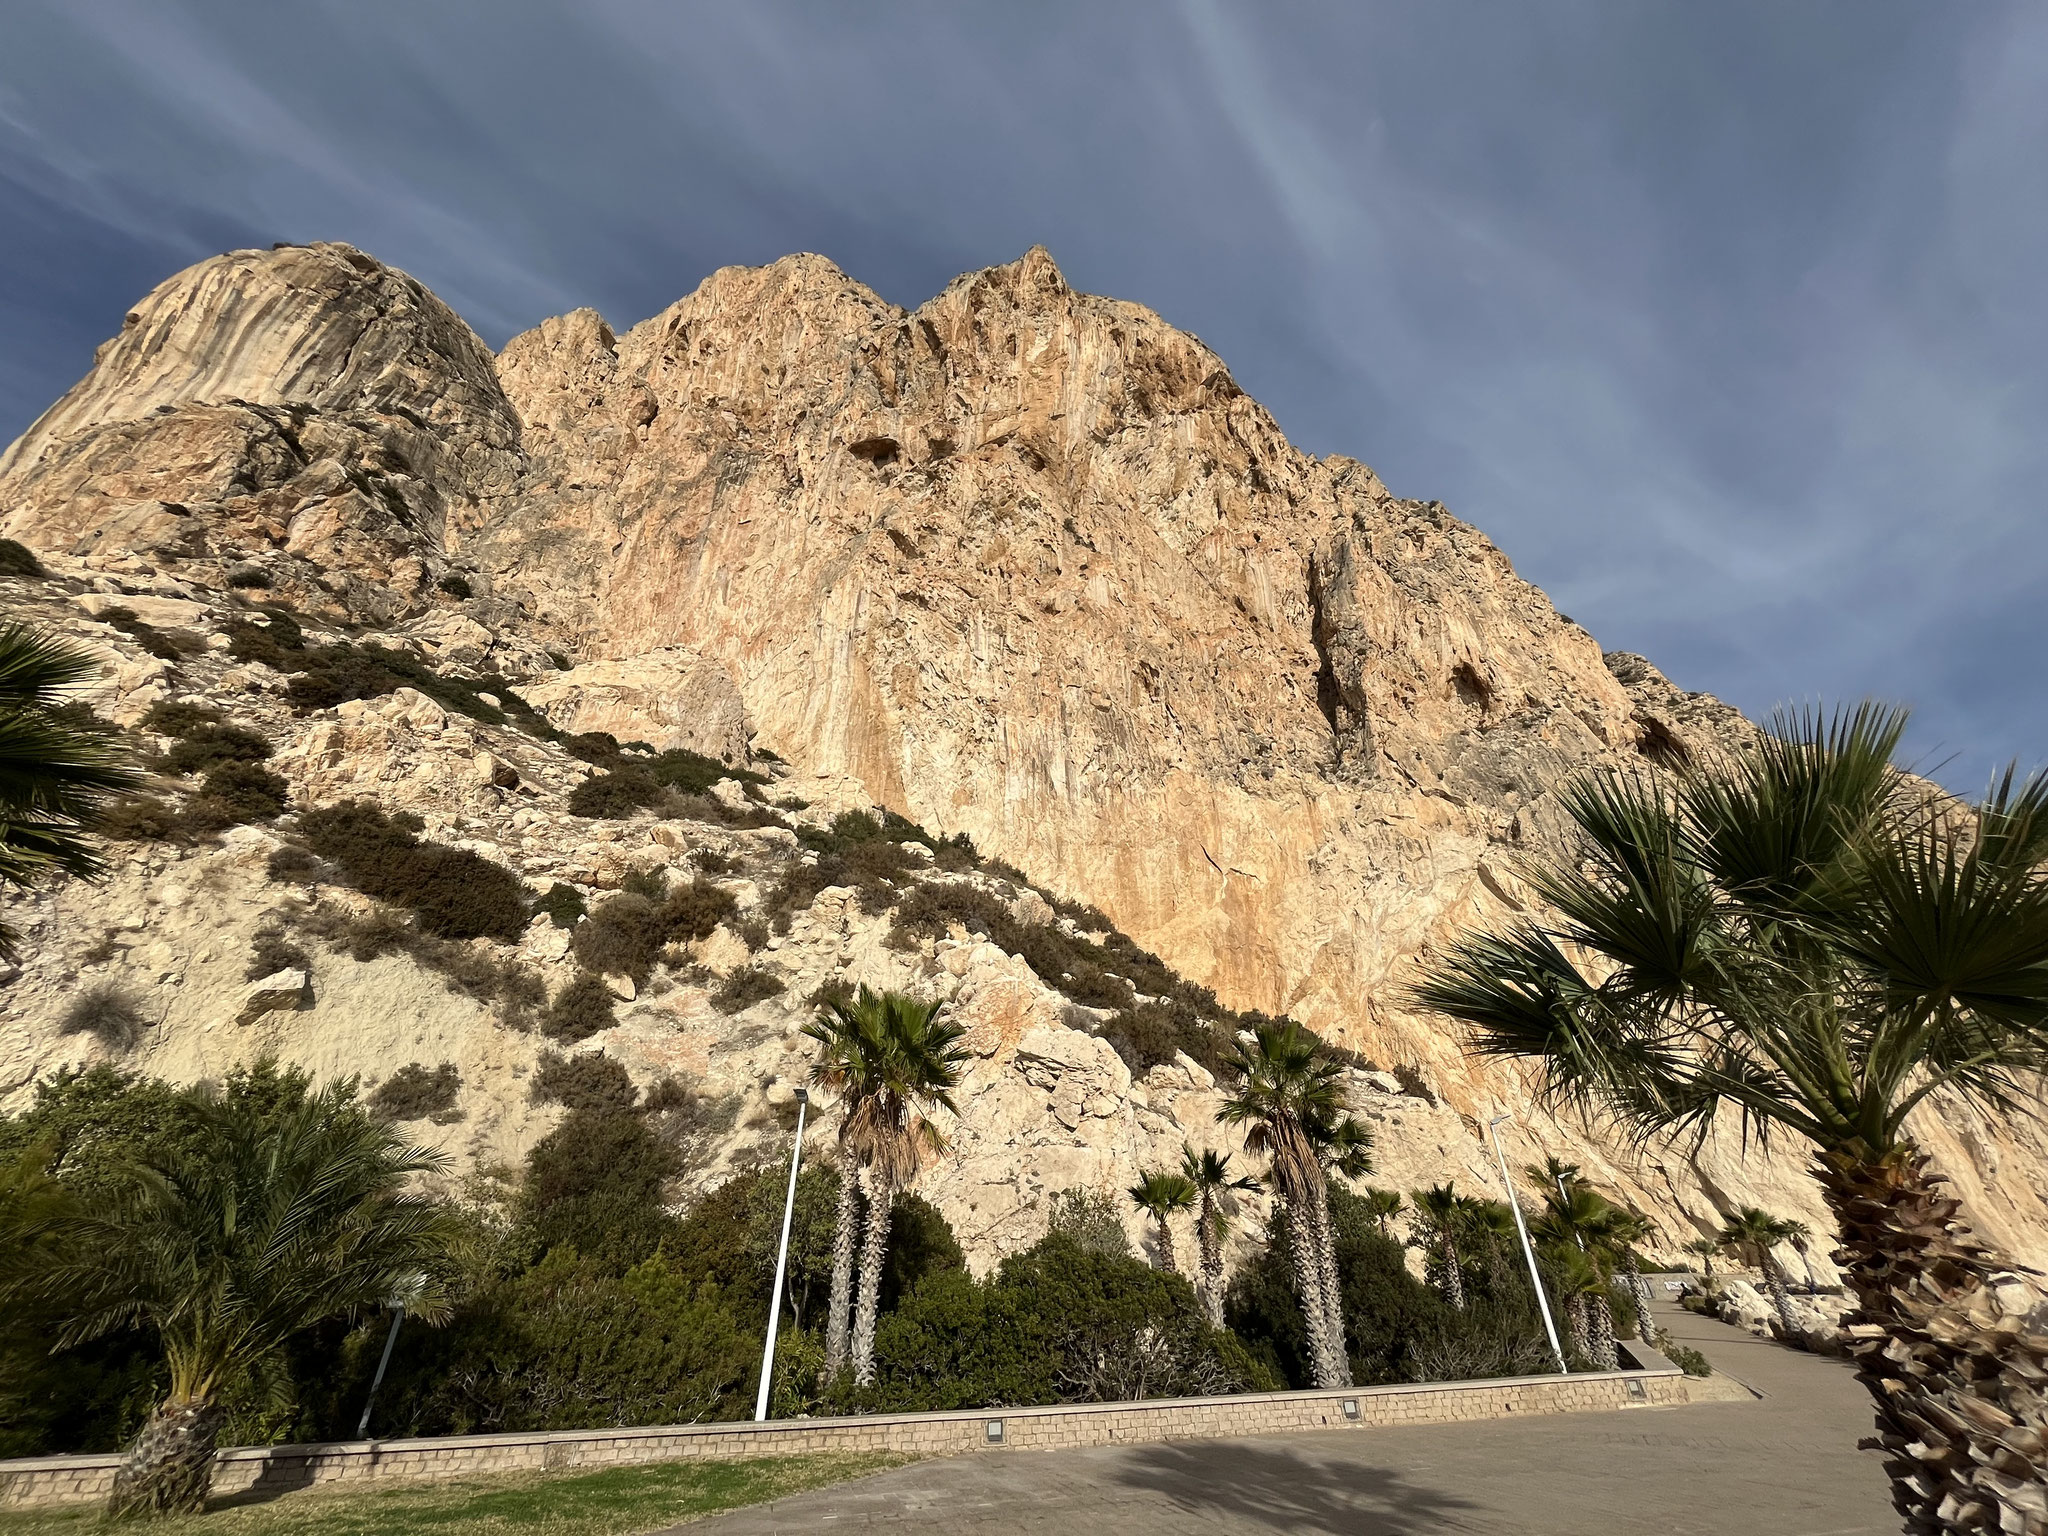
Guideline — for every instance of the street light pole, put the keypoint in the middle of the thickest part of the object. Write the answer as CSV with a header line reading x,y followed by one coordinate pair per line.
x,y
1528,1250
407,1291
796,1157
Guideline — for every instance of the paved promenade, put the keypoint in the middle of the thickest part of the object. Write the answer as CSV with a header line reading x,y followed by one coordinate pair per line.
x,y
1782,1465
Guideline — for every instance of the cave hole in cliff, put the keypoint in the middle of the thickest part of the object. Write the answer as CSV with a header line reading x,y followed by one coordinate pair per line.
x,y
1471,686
1660,744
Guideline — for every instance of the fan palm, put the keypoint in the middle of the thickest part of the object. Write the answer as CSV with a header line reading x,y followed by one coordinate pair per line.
x,y
1574,1215
1582,1289
1383,1205
262,1224
1162,1195
1216,1189
852,1033
1289,1096
1438,1208
1704,1249
1801,932
894,1061
1757,1232
54,776
1625,1231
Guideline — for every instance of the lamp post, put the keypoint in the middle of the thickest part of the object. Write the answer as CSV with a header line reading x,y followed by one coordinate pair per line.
x,y
406,1291
796,1157
1528,1250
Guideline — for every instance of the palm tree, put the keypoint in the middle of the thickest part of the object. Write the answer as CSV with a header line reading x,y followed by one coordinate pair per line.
x,y
894,1061
1625,1231
1161,1195
1383,1205
55,776
1758,1232
1438,1210
262,1224
1575,1216
1289,1094
1704,1249
1801,931
1582,1288
1215,1188
853,1035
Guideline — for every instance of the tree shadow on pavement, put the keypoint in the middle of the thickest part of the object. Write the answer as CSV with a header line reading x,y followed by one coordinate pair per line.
x,y
1283,1490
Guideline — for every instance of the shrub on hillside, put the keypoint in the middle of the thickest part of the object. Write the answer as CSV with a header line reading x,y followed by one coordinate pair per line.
x,y
169,717
1090,1220
205,745
107,1013
233,795
748,985
270,952
562,905
418,1092
625,934
454,893
139,819
17,559
581,1009
587,1080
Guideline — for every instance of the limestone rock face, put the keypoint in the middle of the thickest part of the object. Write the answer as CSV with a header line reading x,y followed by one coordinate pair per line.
x,y
1022,563
305,407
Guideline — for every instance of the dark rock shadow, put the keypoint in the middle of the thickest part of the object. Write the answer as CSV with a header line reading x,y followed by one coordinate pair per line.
x,y
1283,1490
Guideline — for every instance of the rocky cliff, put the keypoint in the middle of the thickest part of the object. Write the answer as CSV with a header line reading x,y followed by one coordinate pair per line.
x,y
1023,564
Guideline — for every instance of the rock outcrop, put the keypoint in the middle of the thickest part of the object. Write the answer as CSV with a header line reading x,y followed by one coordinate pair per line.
x,y
1023,563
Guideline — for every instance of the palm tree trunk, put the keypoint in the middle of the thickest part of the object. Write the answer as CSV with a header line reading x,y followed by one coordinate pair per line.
x,y
1168,1259
1640,1289
1333,1292
845,1239
1955,1375
1782,1298
1600,1329
1308,1285
1212,1268
874,1247
168,1469
1454,1275
1581,1327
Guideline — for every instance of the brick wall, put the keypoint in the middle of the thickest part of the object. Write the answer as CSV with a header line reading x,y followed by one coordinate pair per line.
x,y
79,1479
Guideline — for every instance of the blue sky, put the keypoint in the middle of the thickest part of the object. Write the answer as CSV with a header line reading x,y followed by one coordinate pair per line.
x,y
1727,321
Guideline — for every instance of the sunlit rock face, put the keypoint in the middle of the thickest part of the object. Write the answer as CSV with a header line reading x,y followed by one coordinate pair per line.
x,y
1022,563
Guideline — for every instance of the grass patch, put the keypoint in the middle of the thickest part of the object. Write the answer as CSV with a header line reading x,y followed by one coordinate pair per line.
x,y
614,1502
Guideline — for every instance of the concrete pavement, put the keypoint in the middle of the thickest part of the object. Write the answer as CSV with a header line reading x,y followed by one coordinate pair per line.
x,y
1783,1464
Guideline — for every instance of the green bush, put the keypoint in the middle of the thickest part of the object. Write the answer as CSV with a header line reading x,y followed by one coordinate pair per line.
x,y
598,1183
581,1009
168,717
571,1344
17,559
610,796
270,952
1684,1356
454,893
233,795
204,745
417,1092
1090,1221
588,1080
245,577
1058,1323
748,985
626,934
139,819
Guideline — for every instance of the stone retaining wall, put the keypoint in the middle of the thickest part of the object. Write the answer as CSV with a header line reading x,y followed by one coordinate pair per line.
x,y
79,1479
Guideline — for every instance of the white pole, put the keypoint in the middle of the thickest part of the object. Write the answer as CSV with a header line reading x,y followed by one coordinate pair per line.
x,y
796,1156
1528,1251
